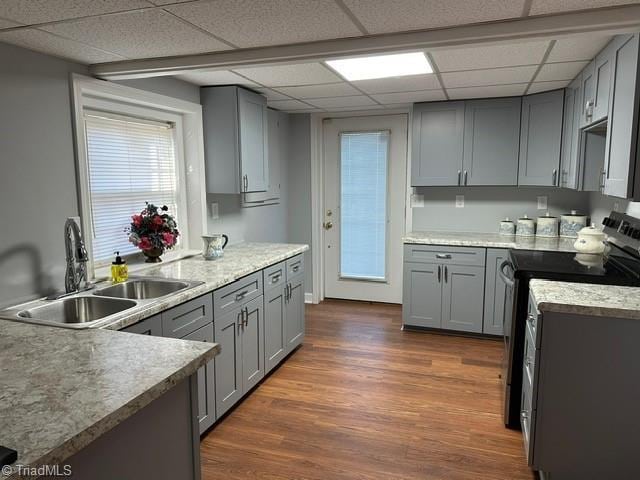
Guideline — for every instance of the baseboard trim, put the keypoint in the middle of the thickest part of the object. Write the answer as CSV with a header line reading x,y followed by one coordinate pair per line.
x,y
308,297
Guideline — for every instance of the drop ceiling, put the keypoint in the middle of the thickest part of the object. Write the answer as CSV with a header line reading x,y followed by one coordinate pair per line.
x,y
99,31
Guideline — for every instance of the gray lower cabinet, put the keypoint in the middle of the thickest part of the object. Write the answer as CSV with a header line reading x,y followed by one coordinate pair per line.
x,y
540,139
252,344
437,144
274,327
188,317
620,150
448,294
494,292
150,326
294,313
228,363
491,141
206,381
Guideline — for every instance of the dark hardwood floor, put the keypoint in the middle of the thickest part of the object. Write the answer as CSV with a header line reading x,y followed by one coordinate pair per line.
x,y
362,399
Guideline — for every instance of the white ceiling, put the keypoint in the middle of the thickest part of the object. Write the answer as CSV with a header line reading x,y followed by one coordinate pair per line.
x,y
97,31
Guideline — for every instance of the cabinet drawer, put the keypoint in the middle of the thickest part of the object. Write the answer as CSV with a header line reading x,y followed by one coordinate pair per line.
x,y
295,266
150,326
188,317
274,276
529,361
527,421
445,255
237,293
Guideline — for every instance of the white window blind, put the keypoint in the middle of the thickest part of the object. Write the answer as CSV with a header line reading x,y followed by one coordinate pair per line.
x,y
130,162
363,205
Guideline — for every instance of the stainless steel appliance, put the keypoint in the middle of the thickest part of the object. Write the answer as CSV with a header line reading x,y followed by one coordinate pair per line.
x,y
620,267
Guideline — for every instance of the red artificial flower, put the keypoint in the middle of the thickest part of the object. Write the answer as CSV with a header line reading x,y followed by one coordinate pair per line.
x,y
169,238
137,220
145,243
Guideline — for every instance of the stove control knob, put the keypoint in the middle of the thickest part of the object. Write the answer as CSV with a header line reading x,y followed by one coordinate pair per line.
x,y
607,221
636,233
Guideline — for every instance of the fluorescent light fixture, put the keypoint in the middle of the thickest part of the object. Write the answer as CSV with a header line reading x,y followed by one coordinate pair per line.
x,y
381,66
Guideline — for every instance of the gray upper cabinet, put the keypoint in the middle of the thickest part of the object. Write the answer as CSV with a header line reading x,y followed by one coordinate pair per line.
x,y
494,292
462,298
603,72
540,139
437,144
236,140
570,157
620,150
587,87
491,142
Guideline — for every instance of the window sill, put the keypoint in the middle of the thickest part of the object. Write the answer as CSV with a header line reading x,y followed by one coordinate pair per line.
x,y
138,265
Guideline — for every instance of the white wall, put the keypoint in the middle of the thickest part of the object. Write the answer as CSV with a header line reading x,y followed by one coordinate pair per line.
x,y
601,206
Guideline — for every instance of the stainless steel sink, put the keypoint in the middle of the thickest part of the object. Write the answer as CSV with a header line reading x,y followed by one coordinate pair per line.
x,y
79,311
143,288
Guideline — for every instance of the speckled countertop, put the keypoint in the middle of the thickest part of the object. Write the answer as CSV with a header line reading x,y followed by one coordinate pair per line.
x,y
490,240
61,389
586,298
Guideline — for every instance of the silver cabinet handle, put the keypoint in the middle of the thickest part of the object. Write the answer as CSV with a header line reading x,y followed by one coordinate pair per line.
x,y
240,320
588,108
524,414
245,183
465,178
446,272
554,177
439,273
603,178
241,295
246,316
459,173
443,256
296,268
275,278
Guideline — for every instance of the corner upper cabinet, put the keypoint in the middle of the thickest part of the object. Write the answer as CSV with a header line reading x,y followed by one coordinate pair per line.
x,y
437,144
570,159
235,140
540,139
491,141
621,143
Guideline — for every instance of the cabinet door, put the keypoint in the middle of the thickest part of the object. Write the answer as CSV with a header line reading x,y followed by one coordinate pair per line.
x,y
622,128
253,125
540,138
437,144
603,72
569,161
228,363
274,325
149,326
491,142
294,314
588,94
494,292
422,294
206,381
462,298
253,344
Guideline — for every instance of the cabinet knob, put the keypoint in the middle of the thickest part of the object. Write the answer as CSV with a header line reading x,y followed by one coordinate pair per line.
x,y
327,225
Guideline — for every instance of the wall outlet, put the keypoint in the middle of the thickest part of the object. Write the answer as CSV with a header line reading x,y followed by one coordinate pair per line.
x,y
417,201
214,214
459,201
542,202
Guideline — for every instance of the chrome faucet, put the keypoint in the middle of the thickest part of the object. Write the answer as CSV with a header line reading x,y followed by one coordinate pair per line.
x,y
75,274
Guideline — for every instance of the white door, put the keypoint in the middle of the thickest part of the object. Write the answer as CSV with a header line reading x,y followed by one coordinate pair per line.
x,y
365,161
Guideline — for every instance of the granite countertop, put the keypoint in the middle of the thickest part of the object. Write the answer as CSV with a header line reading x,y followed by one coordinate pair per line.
x,y
586,299
490,240
62,388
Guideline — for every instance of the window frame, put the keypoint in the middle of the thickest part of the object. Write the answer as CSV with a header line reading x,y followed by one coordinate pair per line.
x,y
92,95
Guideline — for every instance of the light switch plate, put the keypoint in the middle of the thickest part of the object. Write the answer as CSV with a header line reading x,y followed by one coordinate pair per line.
x,y
417,200
459,201
542,202
214,211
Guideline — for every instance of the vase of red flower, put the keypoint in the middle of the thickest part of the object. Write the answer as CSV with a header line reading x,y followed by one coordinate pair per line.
x,y
153,231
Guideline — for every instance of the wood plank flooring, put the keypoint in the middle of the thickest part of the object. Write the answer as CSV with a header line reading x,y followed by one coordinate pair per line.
x,y
362,399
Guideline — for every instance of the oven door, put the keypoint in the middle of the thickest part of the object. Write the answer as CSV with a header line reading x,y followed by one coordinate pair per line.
x,y
506,274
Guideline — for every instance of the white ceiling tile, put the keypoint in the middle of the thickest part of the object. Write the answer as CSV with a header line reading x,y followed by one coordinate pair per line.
x,y
580,47
4,23
539,7
253,23
53,45
490,56
319,91
398,105
537,87
337,102
167,2
288,105
399,84
272,94
386,16
356,109
216,77
40,11
143,34
410,97
496,76
290,75
486,92
560,71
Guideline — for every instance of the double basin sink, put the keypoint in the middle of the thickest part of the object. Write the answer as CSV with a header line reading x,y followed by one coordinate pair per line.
x,y
100,306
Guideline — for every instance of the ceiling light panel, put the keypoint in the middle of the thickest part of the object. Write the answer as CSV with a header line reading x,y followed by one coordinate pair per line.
x,y
381,66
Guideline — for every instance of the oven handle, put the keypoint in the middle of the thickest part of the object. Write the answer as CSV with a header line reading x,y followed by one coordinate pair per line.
x,y
505,278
